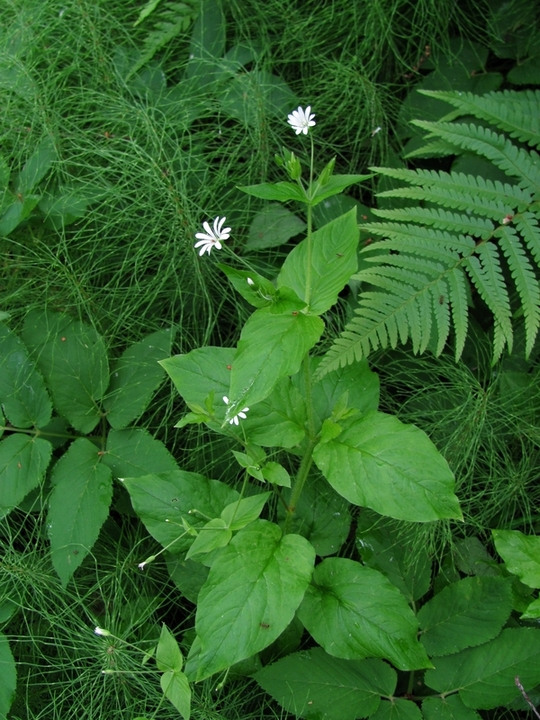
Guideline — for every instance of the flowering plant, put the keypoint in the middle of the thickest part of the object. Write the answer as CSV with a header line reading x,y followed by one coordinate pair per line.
x,y
310,449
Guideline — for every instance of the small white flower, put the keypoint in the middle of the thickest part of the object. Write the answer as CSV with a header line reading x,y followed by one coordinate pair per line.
x,y
211,238
241,414
301,120
101,631
250,281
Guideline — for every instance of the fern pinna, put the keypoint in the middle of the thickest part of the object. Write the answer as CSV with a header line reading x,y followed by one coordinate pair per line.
x,y
460,230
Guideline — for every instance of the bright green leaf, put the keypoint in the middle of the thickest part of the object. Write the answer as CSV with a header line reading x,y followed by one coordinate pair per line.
x,y
281,191
280,419
447,708
393,468
273,226
465,614
521,553
355,612
270,347
134,378
215,534
17,212
164,502
357,380
168,654
134,452
23,461
188,576
245,511
8,673
533,610
485,675
333,261
336,185
259,292
276,474
176,688
22,390
315,685
78,507
252,592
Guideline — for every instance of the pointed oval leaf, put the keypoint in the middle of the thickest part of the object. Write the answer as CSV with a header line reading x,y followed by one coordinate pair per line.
x,y
393,468
168,653
333,261
252,592
22,390
465,614
134,452
273,226
176,688
215,534
78,507
485,675
270,347
447,708
281,191
242,512
355,612
397,709
23,461
315,685
134,378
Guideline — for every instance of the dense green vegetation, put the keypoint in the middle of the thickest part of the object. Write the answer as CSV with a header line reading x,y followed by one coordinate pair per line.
x,y
126,125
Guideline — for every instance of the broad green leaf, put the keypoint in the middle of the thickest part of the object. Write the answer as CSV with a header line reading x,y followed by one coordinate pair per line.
x,y
74,363
270,347
188,576
521,554
8,675
355,612
41,325
336,185
281,191
333,261
17,212
397,709
465,614
134,452
78,507
23,461
215,534
176,688
245,511
23,394
207,46
276,474
280,419
165,502
252,592
533,610
315,685
392,551
168,655
447,708
393,468
472,558
37,166
259,291
134,378
321,516
485,675
273,226
254,96
357,380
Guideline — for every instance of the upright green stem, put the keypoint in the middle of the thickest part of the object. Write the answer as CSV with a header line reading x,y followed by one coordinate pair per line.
x,y
309,230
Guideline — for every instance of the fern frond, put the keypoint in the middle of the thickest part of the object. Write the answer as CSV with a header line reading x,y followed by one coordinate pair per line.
x,y
457,296
527,224
438,218
515,161
525,280
516,113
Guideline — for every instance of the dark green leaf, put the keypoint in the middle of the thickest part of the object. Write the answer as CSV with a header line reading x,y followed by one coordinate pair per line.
x,y
397,709
485,675
22,390
79,505
23,461
393,468
134,452
447,708
17,212
188,576
134,378
244,511
280,419
315,685
333,261
336,185
273,226
8,673
37,166
253,590
465,614
355,612
164,502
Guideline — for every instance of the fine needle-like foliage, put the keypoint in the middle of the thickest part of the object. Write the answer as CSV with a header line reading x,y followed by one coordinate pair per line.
x,y
465,235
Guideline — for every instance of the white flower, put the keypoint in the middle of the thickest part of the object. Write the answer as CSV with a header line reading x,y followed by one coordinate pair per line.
x,y
250,281
211,238
301,120
241,414
101,631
